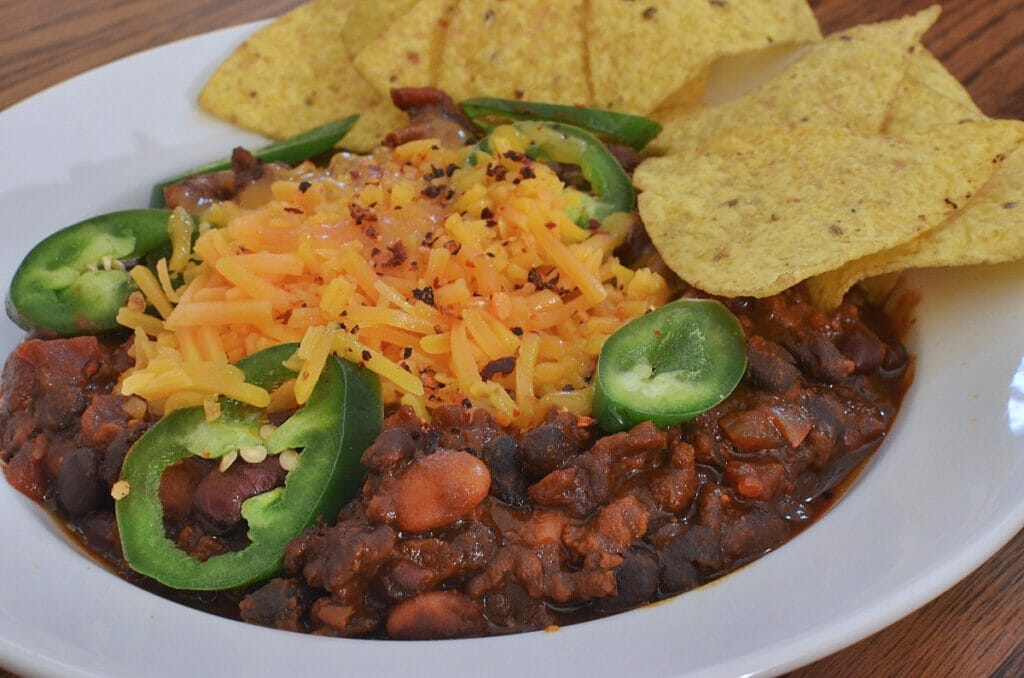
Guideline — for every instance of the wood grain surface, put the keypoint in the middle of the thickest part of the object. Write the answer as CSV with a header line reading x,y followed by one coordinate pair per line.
x,y
976,628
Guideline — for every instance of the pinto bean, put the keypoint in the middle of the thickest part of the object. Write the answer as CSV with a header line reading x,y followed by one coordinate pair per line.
x,y
436,614
438,489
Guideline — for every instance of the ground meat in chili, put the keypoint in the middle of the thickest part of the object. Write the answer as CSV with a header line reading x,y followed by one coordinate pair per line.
x,y
578,525
559,523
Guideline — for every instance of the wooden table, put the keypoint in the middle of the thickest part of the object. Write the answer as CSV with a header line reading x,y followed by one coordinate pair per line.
x,y
975,628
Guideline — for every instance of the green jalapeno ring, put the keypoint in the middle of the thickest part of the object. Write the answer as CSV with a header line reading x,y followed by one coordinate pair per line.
x,y
669,366
73,282
341,418
611,187
292,150
633,130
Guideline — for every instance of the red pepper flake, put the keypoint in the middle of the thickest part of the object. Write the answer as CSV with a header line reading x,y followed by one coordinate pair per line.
x,y
527,172
498,172
434,173
535,276
426,295
504,365
360,214
293,210
432,191
487,213
366,355
453,246
398,254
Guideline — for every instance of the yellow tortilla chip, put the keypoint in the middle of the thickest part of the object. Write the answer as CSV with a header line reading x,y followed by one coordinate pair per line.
x,y
294,74
690,94
368,19
846,80
527,49
759,210
641,53
408,53
375,121
988,230
928,71
928,95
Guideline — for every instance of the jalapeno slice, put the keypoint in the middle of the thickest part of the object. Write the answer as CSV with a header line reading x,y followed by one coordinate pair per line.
x,y
74,281
340,420
633,130
292,150
610,187
669,366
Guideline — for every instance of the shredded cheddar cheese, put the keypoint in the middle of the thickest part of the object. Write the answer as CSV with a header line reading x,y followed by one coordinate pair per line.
x,y
454,279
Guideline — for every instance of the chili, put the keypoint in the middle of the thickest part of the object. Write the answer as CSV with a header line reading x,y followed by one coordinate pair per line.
x,y
340,419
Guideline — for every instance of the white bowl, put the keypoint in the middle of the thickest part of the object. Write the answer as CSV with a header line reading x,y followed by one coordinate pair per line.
x,y
940,497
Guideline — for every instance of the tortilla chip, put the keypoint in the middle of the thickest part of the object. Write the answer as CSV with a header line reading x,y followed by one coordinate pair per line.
x,y
928,71
847,80
759,210
368,19
640,54
295,74
988,230
527,49
408,53
690,94
928,95
375,121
